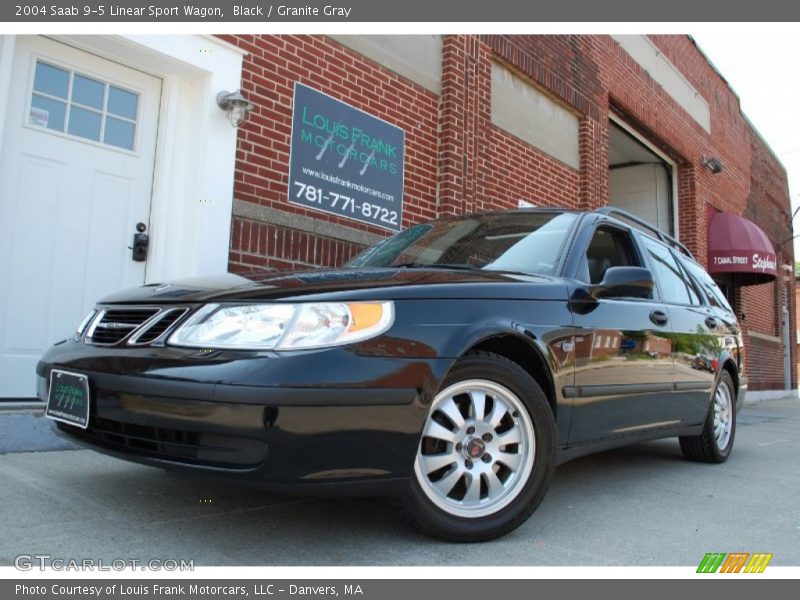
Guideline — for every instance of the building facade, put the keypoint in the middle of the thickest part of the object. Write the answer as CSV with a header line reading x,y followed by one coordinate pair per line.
x,y
104,137
495,122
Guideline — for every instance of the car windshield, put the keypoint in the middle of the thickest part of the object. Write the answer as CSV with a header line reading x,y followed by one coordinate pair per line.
x,y
523,242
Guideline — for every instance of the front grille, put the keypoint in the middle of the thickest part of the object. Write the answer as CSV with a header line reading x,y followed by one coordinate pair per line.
x,y
157,326
114,325
174,445
157,440
135,325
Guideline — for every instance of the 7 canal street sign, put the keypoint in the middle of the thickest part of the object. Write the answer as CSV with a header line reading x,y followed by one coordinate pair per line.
x,y
747,263
345,161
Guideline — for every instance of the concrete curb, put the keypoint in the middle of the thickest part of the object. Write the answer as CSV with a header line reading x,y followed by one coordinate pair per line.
x,y
21,406
753,398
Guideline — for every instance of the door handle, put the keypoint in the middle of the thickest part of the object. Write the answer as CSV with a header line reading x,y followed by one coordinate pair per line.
x,y
141,242
712,322
659,317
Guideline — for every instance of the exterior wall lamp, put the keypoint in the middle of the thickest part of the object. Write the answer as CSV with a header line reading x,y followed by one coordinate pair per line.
x,y
712,164
236,105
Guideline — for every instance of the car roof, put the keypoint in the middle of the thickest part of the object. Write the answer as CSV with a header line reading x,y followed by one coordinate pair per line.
x,y
617,215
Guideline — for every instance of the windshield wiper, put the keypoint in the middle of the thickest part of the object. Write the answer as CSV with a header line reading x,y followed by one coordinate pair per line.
x,y
418,265
457,267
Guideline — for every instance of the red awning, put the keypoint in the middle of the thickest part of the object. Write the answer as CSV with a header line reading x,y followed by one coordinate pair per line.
x,y
739,246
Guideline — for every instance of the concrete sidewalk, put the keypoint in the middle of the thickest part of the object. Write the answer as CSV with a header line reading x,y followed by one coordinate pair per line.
x,y
643,505
29,431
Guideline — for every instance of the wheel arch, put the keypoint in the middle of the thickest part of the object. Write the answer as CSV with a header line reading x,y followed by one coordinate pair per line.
x,y
729,366
526,354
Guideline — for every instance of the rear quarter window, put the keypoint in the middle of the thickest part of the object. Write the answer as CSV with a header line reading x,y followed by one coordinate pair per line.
x,y
707,284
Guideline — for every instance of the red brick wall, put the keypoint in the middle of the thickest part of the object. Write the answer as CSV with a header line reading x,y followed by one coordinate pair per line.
x,y
457,160
766,205
262,245
796,355
765,365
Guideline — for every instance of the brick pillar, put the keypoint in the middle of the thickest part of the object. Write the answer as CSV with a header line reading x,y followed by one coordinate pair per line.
x,y
793,325
593,145
464,109
692,225
450,176
786,281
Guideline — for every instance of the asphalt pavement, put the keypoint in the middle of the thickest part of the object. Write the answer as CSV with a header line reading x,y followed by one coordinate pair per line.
x,y
642,505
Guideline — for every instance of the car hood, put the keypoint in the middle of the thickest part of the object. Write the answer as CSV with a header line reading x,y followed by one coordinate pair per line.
x,y
346,284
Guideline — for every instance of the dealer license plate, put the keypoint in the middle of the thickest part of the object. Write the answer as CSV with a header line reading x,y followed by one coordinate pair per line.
x,y
68,400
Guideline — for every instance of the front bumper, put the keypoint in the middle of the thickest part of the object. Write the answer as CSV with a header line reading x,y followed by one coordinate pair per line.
x,y
269,428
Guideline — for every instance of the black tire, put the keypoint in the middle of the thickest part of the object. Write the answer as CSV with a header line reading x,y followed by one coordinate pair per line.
x,y
705,447
529,489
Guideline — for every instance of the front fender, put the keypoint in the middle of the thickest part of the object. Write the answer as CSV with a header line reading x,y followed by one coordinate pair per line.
x,y
448,330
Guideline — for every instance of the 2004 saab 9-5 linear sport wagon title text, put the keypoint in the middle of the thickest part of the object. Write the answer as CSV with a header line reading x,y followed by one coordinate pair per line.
x,y
191,11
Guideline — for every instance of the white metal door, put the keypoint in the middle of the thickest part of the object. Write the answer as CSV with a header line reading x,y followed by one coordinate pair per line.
x,y
76,174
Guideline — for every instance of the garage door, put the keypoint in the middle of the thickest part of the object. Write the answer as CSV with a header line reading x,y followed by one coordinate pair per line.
x,y
643,190
639,180
76,173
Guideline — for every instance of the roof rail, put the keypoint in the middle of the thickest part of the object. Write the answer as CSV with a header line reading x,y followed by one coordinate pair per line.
x,y
613,211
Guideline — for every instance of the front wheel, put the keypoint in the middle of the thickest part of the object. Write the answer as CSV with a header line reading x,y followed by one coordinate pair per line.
x,y
715,442
486,455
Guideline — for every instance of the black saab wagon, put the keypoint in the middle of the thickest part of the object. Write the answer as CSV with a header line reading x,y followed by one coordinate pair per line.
x,y
454,364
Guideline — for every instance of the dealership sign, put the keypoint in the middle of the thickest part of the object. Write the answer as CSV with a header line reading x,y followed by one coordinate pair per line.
x,y
345,161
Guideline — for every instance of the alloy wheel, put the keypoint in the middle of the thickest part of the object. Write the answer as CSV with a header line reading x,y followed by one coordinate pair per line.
x,y
723,415
477,449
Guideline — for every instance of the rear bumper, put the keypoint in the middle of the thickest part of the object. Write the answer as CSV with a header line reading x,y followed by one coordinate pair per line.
x,y
283,437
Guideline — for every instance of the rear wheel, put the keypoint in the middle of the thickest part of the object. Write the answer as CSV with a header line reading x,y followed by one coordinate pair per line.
x,y
715,442
486,455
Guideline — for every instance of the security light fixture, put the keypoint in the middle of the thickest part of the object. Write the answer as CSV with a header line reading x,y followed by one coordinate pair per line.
x,y
236,105
713,164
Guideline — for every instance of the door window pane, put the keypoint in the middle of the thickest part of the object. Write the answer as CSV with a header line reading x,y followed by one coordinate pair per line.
x,y
47,112
122,102
51,80
83,106
670,279
609,248
88,92
84,123
694,292
119,133
715,295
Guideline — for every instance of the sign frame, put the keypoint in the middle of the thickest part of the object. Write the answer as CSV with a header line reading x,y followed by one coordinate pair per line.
x,y
335,193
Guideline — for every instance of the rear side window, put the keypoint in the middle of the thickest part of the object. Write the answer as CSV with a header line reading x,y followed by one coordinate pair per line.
x,y
704,280
674,285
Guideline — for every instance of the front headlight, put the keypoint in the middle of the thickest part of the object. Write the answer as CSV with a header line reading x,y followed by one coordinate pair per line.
x,y
283,326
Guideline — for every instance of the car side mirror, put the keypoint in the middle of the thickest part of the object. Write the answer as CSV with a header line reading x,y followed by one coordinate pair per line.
x,y
624,282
